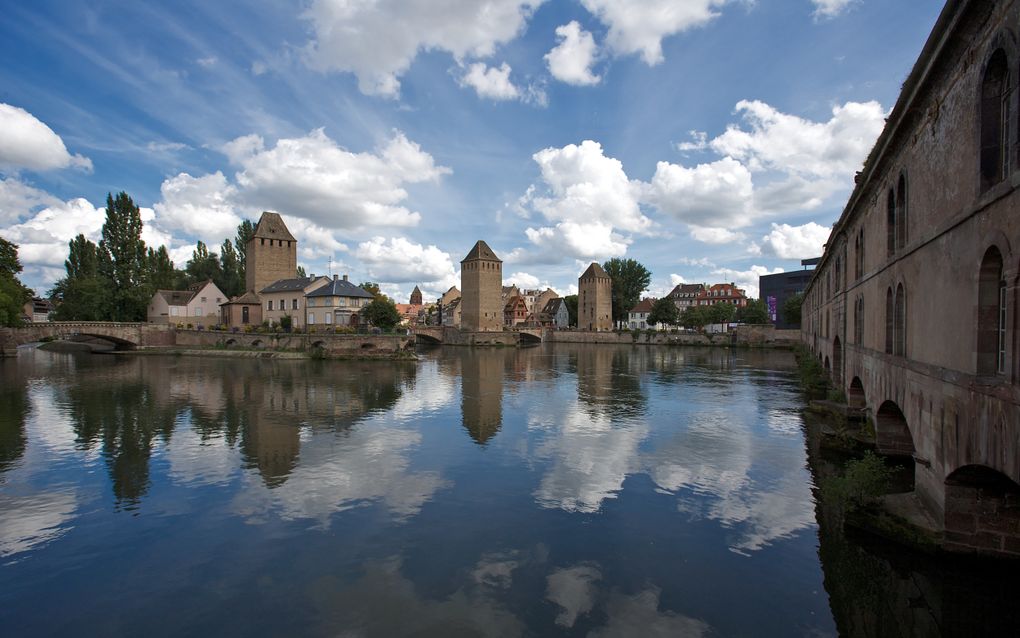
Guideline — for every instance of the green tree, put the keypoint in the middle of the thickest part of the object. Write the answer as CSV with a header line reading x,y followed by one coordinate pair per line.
x,y
381,313
571,301
755,312
695,317
664,311
122,259
13,294
721,312
301,272
160,270
231,280
372,288
791,309
203,265
83,294
245,231
630,279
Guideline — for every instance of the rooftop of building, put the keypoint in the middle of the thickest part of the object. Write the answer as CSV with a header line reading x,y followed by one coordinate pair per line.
x,y
289,285
595,270
645,305
177,297
481,252
247,299
340,288
271,226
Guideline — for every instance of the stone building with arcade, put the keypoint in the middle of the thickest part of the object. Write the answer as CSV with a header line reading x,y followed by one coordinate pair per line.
x,y
913,306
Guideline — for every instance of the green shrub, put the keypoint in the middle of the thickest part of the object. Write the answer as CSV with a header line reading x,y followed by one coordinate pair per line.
x,y
862,481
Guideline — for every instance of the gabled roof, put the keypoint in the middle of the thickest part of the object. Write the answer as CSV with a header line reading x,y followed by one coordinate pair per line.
x,y
686,289
199,285
340,288
288,285
513,302
177,297
271,226
595,270
480,252
553,306
248,299
645,305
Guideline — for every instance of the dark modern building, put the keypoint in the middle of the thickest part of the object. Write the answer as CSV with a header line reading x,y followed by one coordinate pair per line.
x,y
774,290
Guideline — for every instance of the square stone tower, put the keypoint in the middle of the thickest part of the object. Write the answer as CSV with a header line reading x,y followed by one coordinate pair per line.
x,y
271,254
481,283
595,300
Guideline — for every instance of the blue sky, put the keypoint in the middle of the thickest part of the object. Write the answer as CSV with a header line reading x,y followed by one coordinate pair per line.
x,y
712,140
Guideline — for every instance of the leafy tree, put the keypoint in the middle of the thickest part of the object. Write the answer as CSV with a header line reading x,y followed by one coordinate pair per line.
x,y
122,259
231,280
203,265
791,309
381,313
13,294
160,270
245,231
755,312
301,271
372,288
630,279
696,317
721,312
571,301
665,312
82,294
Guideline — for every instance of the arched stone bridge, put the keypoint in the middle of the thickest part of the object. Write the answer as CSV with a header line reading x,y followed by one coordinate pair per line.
x,y
455,336
124,336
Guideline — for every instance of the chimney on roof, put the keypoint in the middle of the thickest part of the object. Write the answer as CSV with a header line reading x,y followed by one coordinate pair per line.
x,y
335,276
345,277
311,276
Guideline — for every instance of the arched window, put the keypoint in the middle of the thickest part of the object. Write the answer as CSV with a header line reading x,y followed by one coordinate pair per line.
x,y
900,343
859,254
991,317
859,321
889,321
901,212
890,228
995,120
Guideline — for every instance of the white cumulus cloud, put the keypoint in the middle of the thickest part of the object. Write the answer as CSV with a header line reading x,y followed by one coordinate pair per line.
x,y
202,207
377,40
18,199
27,143
795,242
571,60
398,260
831,8
717,194
638,26
490,82
42,239
315,178
747,280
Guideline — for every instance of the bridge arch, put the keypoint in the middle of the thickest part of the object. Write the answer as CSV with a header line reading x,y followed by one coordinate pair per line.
x,y
855,395
892,434
981,512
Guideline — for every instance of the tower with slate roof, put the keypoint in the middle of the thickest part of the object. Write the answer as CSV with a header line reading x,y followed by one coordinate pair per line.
x,y
271,253
595,300
481,284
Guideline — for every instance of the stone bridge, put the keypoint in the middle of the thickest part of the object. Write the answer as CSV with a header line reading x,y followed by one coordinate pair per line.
x,y
124,336
456,337
127,336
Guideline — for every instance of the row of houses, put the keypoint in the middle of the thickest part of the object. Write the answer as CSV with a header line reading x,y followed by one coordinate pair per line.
x,y
686,296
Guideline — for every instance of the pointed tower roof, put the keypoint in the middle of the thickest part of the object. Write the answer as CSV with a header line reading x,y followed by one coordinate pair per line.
x,y
595,270
481,252
415,290
271,226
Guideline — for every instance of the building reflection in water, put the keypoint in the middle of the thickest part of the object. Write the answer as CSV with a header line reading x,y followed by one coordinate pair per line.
x,y
126,407
481,396
14,399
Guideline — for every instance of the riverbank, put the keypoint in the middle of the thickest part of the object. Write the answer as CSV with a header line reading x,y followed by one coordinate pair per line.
x,y
257,353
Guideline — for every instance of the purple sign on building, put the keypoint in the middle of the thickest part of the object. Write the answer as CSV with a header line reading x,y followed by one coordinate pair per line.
x,y
772,307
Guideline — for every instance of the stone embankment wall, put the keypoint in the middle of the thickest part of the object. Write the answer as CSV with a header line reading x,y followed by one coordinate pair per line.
x,y
334,345
454,337
756,336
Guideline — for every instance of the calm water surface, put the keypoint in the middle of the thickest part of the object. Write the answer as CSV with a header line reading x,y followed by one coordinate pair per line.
x,y
546,491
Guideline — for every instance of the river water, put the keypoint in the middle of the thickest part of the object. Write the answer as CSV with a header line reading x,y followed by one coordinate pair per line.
x,y
555,490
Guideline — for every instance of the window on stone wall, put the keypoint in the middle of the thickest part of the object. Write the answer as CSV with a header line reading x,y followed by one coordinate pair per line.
x,y
991,315
859,321
901,212
889,321
293,304
995,120
890,228
859,255
900,344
